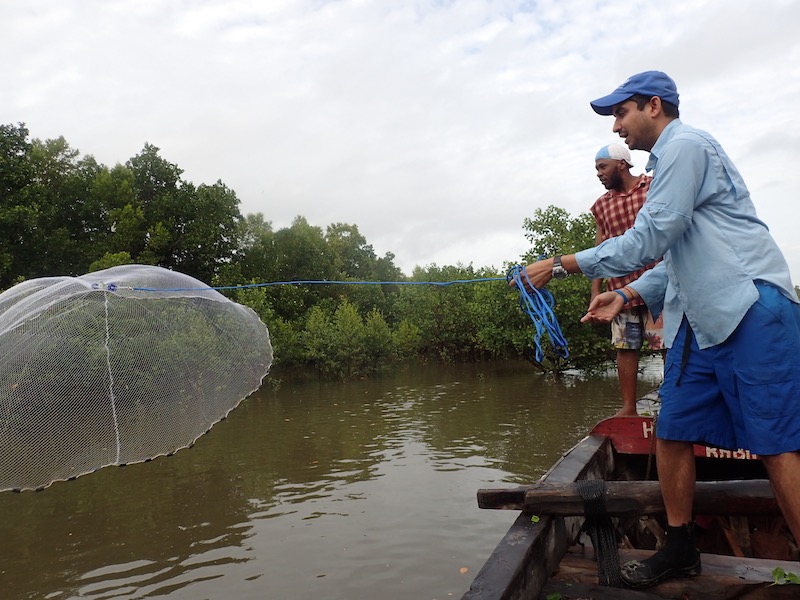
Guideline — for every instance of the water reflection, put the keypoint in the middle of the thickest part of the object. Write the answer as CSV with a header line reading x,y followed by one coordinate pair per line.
x,y
324,490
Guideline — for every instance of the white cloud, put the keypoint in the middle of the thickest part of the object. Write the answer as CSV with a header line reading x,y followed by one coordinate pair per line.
x,y
436,127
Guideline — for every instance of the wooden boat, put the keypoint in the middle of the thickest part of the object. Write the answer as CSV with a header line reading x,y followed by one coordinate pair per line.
x,y
548,555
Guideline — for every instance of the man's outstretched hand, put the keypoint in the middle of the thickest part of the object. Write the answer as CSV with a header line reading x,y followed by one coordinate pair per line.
x,y
603,308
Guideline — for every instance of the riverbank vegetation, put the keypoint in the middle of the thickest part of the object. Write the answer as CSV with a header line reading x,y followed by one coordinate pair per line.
x,y
67,214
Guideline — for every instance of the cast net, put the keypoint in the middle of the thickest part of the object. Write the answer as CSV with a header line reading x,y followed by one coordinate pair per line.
x,y
115,367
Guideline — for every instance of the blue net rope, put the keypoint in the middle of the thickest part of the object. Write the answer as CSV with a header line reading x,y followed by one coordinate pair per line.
x,y
536,303
320,282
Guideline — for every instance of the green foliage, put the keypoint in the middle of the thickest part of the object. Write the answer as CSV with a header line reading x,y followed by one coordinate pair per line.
x,y
343,345
65,214
782,577
378,341
407,339
69,221
17,213
440,314
109,260
553,231
176,225
502,329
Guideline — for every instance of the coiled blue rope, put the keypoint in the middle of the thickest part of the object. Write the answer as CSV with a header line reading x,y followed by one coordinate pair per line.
x,y
538,305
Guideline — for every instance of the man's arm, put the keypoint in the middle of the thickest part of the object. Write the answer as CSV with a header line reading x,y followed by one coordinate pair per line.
x,y
597,284
541,272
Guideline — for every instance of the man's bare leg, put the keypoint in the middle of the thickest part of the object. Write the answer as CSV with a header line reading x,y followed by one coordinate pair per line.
x,y
784,473
627,372
676,474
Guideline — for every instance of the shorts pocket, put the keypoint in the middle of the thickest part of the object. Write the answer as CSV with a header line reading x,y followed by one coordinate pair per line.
x,y
767,393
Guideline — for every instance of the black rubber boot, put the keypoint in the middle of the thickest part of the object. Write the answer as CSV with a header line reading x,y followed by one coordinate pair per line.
x,y
679,557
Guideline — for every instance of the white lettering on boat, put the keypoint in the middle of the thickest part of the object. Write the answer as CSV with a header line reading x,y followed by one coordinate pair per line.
x,y
740,454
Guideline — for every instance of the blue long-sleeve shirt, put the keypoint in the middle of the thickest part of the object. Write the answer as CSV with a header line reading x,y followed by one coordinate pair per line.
x,y
699,216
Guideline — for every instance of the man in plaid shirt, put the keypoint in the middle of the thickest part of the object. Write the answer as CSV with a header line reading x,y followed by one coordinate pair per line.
x,y
614,213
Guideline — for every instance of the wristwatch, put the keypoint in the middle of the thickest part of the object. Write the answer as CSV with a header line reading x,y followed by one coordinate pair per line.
x,y
559,272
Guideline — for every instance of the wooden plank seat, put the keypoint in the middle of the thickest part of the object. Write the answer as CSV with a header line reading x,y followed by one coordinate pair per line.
x,y
732,497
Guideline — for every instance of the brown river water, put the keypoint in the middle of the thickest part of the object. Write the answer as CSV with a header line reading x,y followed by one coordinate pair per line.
x,y
314,490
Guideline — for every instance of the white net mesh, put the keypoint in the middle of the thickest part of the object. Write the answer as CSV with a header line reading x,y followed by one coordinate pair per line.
x,y
115,367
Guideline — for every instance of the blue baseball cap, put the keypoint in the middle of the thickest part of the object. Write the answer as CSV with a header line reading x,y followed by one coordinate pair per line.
x,y
648,83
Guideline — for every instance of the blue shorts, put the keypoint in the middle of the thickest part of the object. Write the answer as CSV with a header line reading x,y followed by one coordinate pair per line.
x,y
744,392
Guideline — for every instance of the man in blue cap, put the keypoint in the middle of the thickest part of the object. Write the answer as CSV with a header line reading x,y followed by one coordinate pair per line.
x,y
731,315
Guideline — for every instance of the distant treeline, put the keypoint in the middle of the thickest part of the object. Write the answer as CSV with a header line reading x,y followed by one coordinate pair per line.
x,y
66,214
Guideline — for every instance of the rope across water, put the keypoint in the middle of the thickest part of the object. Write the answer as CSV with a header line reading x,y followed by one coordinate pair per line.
x,y
536,303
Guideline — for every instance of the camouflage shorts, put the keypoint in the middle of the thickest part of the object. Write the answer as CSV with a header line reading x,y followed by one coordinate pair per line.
x,y
631,328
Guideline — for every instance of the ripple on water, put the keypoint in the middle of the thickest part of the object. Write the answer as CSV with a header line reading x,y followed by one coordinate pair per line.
x,y
330,491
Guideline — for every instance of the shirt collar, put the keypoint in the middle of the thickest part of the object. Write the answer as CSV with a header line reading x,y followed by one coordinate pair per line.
x,y
661,142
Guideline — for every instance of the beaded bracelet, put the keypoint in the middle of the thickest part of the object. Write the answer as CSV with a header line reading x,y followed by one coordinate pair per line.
x,y
624,297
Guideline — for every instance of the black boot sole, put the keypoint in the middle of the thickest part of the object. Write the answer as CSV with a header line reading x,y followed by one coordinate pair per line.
x,y
676,573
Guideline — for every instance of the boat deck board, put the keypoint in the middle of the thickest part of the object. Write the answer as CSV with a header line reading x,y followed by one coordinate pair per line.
x,y
723,578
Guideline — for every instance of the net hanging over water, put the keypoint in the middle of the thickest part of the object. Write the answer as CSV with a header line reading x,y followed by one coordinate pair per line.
x,y
116,367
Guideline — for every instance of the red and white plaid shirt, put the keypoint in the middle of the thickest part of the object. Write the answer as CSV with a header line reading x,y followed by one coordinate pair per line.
x,y
615,213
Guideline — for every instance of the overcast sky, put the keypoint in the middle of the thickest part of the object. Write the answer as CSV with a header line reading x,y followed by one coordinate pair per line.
x,y
435,126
